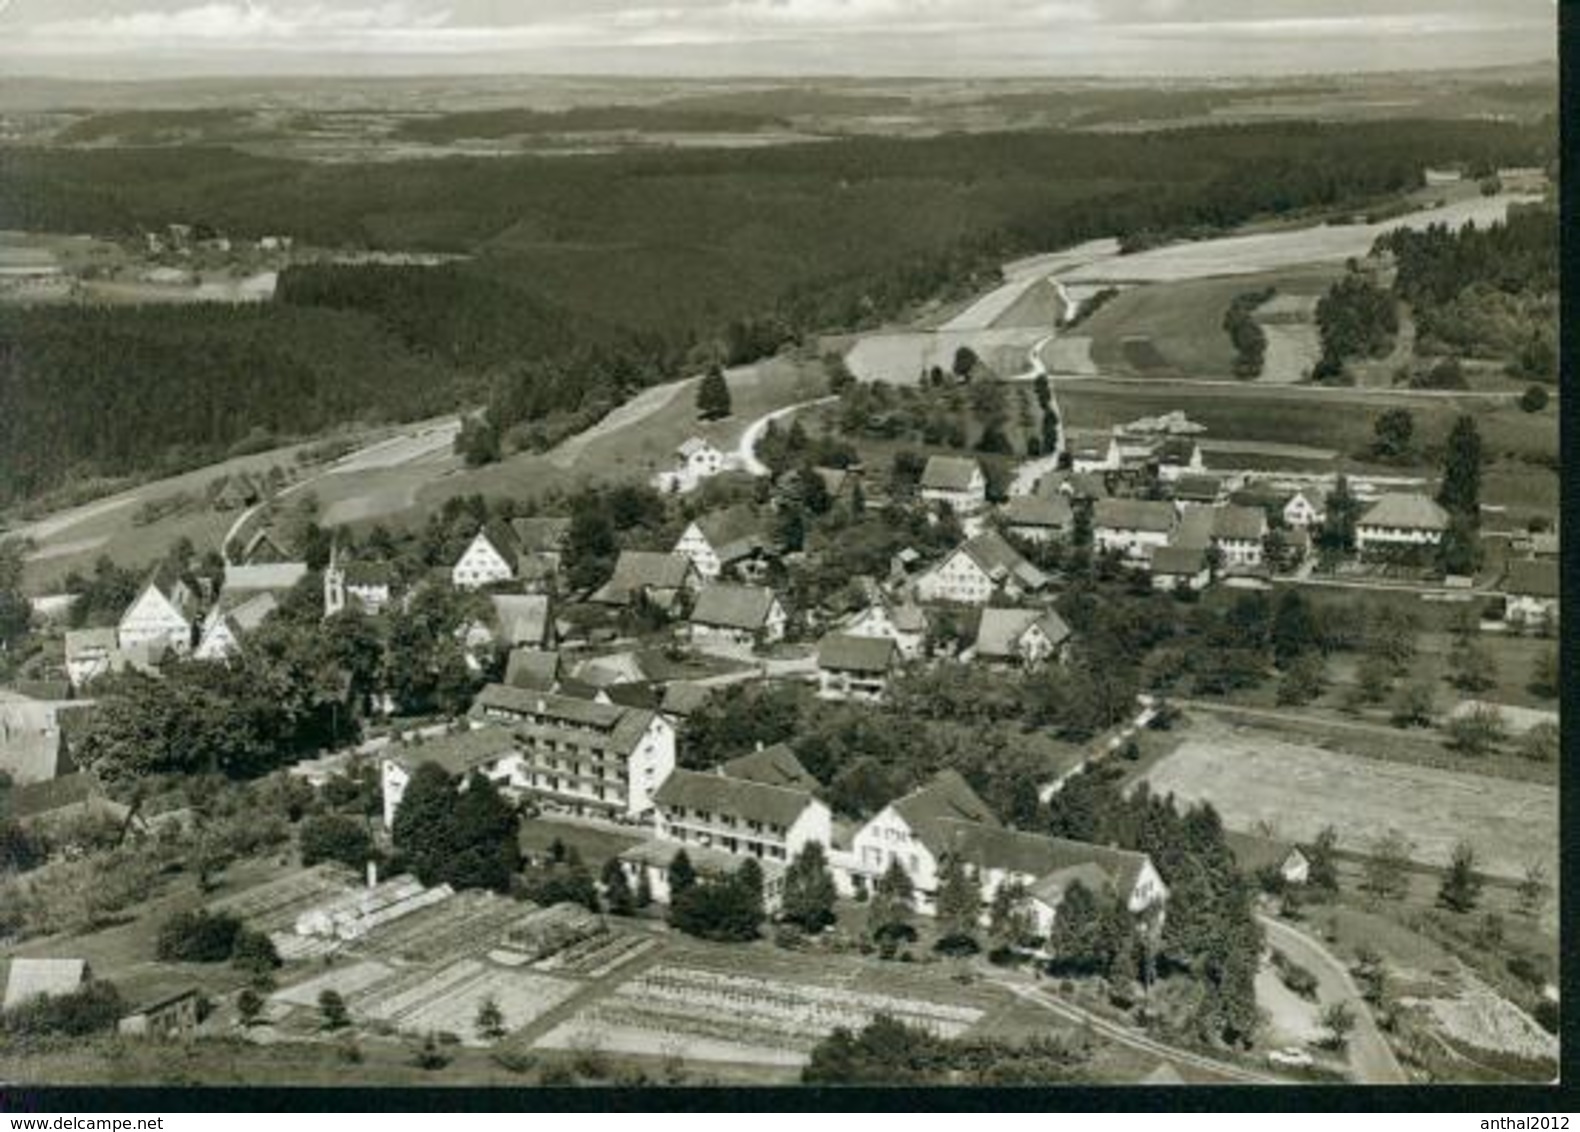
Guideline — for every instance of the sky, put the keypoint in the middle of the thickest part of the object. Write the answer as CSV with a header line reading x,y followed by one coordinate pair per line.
x,y
1041,38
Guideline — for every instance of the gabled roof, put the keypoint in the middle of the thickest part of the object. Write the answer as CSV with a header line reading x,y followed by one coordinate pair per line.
x,y
748,800
683,698
30,978
842,652
1076,485
1252,854
1532,578
82,641
772,766
733,533
638,570
360,573
532,668
949,473
1000,561
1194,531
1411,512
1179,561
1197,488
1241,524
1039,511
945,798
610,669
263,546
999,630
541,534
708,862
30,740
246,615
523,618
622,726
457,753
263,576
733,607
1133,515
501,537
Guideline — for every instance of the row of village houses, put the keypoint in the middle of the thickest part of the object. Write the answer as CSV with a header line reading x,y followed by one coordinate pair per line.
x,y
618,762
715,569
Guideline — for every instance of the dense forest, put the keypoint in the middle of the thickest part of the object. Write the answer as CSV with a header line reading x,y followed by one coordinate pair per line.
x,y
591,276
580,119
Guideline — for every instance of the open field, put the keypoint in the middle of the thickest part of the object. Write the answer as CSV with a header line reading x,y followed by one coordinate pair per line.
x,y
1184,323
595,844
901,357
1252,776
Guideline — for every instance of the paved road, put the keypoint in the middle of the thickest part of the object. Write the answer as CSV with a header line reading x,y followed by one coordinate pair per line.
x,y
1124,1035
1371,1058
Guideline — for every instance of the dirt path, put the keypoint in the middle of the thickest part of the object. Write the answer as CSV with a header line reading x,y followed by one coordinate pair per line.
x,y
746,448
634,411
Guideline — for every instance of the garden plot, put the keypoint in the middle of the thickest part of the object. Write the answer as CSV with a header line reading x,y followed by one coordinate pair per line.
x,y
448,1000
466,924
712,1015
596,956
1251,777
347,982
1481,1018
275,905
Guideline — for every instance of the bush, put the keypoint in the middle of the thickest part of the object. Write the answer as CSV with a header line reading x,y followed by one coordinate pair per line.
x,y
1546,1015
91,1009
1534,399
334,837
198,937
255,952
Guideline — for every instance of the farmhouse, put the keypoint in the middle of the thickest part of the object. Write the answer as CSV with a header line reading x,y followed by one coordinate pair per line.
x,y
911,830
489,558
523,619
33,978
772,766
955,480
1194,491
682,699
698,459
738,815
170,1012
1072,485
1259,857
725,540
162,614
1038,518
1019,636
367,586
1306,508
1400,520
902,622
262,548
1095,455
88,654
1238,532
1178,457
736,617
978,568
1048,866
1135,527
229,621
540,544
592,757
1531,592
649,575
1179,567
854,668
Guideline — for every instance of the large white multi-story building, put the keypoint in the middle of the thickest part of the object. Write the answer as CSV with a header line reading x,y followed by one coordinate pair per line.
x,y
1399,520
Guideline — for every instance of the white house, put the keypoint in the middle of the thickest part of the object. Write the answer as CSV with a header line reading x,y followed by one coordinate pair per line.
x,y
1178,457
228,623
910,831
1026,637
902,622
160,615
976,569
1257,856
1531,592
699,458
739,816
854,668
1179,567
489,558
88,654
1095,455
735,617
955,480
1135,527
368,586
1306,508
1400,520
1238,532
718,542
651,575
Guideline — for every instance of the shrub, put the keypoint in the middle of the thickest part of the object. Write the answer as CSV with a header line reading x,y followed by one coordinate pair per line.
x,y
1534,399
255,952
93,1008
198,937
334,837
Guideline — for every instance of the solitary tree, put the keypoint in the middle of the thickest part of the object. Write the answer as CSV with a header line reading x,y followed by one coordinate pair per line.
x,y
1339,1020
713,395
1461,884
332,1010
490,1021
681,874
1322,867
1387,869
1460,491
959,906
808,899
1532,891
249,1004
617,889
890,910
1393,434
1010,922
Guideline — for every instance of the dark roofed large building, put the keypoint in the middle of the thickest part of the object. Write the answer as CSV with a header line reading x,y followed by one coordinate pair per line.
x,y
854,668
654,575
737,616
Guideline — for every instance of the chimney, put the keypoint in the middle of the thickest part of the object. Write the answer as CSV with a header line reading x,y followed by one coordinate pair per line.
x,y
373,874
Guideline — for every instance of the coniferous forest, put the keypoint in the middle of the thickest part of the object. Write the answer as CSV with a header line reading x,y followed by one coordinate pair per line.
x,y
588,277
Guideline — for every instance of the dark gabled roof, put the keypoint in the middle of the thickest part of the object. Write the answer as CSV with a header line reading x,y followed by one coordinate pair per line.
x,y
638,570
684,697
1178,561
457,753
541,534
715,793
1000,630
264,546
1039,511
949,473
81,641
1407,512
1196,488
1532,578
502,538
622,726
772,766
1242,524
708,862
1035,855
733,607
523,619
1252,854
843,652
1133,515
999,560
1194,531
734,532
533,669
946,797
369,573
